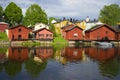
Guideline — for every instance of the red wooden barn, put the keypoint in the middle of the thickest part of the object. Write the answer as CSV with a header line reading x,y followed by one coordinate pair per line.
x,y
43,34
19,32
3,26
101,32
72,32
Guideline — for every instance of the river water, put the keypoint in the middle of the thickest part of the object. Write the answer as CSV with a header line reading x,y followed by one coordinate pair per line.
x,y
56,63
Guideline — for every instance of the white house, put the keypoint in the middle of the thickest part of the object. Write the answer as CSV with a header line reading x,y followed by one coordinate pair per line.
x,y
40,26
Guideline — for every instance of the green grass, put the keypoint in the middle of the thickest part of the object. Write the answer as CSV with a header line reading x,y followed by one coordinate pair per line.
x,y
3,36
59,42
31,43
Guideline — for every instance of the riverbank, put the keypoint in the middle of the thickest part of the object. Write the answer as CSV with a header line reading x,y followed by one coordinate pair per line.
x,y
50,43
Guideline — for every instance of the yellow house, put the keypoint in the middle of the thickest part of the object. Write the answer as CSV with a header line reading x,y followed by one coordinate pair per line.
x,y
81,24
59,25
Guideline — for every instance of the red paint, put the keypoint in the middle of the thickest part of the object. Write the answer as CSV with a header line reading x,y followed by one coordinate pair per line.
x,y
3,27
72,32
18,32
101,32
43,34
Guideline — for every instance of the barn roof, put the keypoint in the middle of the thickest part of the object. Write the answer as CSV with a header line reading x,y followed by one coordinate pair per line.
x,y
99,26
41,30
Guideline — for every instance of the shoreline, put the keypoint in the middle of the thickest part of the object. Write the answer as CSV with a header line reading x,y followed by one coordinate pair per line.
x,y
49,43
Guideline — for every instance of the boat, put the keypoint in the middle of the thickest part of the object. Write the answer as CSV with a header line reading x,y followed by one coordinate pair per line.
x,y
104,44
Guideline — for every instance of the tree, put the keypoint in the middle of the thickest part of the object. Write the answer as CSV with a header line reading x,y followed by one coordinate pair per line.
x,y
110,14
35,14
13,14
51,26
1,13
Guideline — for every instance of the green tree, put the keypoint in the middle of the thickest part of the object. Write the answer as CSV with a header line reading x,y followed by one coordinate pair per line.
x,y
110,14
13,14
1,13
35,14
51,26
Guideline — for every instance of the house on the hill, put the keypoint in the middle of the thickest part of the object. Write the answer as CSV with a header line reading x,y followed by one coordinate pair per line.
x,y
43,34
60,24
100,32
72,32
38,26
19,32
3,26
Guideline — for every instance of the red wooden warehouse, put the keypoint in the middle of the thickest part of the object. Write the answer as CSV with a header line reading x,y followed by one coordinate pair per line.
x,y
43,34
19,32
101,32
72,32
3,26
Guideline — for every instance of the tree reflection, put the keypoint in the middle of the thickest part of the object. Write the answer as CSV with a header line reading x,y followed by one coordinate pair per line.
x,y
1,68
110,69
12,68
34,68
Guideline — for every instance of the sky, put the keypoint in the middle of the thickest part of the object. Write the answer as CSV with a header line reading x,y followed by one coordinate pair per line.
x,y
79,9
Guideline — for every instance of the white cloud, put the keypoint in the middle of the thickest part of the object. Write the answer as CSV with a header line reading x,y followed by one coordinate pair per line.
x,y
69,8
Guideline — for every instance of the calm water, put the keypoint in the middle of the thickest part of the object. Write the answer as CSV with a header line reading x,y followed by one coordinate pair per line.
x,y
54,63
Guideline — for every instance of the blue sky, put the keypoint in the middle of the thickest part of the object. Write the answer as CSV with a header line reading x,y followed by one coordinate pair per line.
x,y
65,8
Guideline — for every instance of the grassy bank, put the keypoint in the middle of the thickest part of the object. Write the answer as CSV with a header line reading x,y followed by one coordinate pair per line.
x,y
59,42
3,36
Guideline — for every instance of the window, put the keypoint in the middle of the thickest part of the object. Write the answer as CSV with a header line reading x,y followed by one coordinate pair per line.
x,y
75,35
47,35
19,36
50,35
41,35
19,30
106,32
12,36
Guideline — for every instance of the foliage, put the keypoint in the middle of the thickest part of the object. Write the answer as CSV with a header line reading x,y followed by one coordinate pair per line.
x,y
110,14
51,26
59,40
35,14
1,13
3,36
13,14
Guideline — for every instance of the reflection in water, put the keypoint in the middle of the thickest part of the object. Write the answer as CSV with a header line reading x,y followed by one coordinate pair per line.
x,y
12,68
18,53
72,54
44,52
100,54
110,69
35,62
34,68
